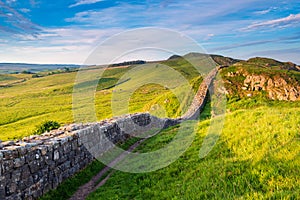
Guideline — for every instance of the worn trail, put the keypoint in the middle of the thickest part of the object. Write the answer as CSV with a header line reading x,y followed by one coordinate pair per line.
x,y
92,185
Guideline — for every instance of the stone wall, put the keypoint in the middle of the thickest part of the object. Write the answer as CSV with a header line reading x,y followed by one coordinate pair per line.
x,y
201,96
31,167
34,165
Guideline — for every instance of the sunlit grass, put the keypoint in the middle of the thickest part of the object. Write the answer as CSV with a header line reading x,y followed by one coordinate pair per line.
x,y
256,157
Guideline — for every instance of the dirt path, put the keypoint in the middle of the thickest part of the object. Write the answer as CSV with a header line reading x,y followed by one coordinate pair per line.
x,y
84,190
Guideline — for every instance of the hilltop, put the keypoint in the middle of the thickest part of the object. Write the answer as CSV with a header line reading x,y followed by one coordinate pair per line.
x,y
220,60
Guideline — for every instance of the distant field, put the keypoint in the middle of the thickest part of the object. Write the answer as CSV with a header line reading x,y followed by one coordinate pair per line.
x,y
7,68
7,78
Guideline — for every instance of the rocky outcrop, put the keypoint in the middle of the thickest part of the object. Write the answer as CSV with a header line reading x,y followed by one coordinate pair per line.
x,y
277,88
274,84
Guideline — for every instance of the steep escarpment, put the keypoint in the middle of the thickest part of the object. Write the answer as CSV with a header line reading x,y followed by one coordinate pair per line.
x,y
265,77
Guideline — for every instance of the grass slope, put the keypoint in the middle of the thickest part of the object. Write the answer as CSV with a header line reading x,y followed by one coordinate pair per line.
x,y
27,104
256,157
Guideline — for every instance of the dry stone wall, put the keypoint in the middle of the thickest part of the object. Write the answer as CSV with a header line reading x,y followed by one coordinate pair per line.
x,y
36,164
31,167
201,96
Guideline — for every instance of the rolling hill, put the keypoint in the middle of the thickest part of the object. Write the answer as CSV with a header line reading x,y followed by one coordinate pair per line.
x,y
28,101
7,68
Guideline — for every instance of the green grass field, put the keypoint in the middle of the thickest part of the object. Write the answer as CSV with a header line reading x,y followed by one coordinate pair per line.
x,y
6,78
256,157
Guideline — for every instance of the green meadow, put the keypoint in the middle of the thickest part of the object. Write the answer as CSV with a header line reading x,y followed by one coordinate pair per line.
x,y
256,157
29,103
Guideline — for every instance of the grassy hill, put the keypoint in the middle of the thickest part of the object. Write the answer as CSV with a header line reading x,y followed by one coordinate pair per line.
x,y
6,78
31,102
256,157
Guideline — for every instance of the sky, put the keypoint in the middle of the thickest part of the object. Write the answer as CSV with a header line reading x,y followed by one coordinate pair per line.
x,y
67,31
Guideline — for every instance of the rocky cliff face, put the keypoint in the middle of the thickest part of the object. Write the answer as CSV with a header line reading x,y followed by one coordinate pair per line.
x,y
275,87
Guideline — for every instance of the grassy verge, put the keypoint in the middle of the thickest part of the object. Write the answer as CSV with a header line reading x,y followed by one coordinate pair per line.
x,y
68,187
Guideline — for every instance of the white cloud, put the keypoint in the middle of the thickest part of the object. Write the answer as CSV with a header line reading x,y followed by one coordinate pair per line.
x,y
25,10
73,44
10,1
95,17
281,22
174,15
263,12
209,36
17,22
266,11
56,45
84,2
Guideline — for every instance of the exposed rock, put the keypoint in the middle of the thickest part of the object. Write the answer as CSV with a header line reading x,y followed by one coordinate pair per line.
x,y
8,143
277,87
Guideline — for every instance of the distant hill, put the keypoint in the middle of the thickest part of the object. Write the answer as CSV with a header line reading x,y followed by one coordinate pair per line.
x,y
220,60
7,68
268,62
135,62
256,61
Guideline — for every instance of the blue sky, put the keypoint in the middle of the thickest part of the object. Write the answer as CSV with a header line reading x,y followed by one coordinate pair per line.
x,y
47,31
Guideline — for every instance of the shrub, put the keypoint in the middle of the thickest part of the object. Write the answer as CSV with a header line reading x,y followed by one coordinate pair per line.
x,y
46,127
